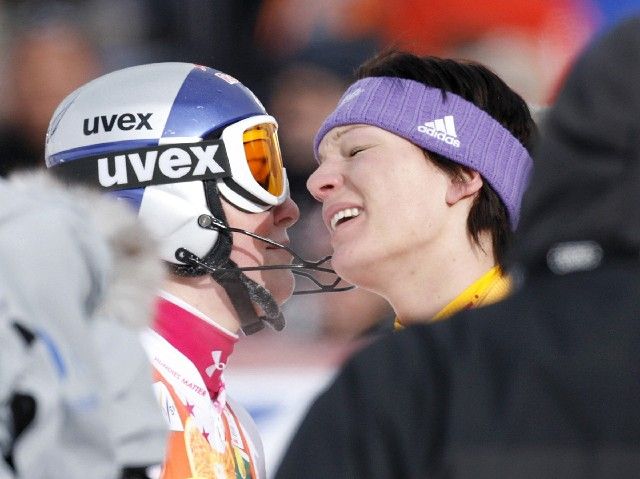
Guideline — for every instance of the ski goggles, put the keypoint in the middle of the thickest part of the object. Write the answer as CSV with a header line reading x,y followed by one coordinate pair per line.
x,y
258,178
246,160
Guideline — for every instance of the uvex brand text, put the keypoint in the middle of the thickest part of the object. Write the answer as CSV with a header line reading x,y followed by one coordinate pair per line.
x,y
123,121
172,163
150,166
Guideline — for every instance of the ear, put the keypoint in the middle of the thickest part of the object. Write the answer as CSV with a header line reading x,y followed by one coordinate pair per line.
x,y
462,185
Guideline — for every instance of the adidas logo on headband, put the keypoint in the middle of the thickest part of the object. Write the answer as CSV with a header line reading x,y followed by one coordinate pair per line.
x,y
443,129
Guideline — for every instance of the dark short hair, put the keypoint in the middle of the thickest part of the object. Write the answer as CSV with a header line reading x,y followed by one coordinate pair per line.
x,y
480,86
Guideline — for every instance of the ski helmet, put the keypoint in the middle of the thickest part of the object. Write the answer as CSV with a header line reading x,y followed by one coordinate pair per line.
x,y
170,138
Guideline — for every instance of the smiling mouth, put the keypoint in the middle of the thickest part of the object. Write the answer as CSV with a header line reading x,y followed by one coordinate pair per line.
x,y
343,216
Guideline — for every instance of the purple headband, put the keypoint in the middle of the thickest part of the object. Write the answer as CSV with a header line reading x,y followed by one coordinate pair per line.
x,y
453,127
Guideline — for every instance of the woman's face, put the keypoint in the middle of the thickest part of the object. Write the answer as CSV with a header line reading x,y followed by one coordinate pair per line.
x,y
383,200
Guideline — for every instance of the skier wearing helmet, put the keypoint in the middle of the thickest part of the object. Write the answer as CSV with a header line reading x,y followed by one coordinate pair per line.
x,y
196,154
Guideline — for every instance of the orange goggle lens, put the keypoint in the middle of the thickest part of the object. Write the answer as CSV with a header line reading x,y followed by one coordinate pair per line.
x,y
262,150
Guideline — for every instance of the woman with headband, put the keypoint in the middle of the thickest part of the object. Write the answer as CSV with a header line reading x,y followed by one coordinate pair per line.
x,y
421,171
545,383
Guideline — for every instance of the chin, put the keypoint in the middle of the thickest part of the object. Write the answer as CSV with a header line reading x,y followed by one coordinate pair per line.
x,y
280,284
347,268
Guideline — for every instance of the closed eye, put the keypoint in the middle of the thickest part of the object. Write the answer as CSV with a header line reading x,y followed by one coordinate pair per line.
x,y
356,150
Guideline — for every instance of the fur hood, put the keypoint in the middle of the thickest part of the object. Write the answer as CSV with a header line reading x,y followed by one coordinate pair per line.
x,y
121,259
80,275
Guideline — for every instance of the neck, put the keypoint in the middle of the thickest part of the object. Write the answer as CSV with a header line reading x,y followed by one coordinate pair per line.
x,y
419,285
207,296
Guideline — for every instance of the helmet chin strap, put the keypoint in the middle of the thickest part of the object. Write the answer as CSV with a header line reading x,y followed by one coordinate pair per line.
x,y
262,296
299,266
242,291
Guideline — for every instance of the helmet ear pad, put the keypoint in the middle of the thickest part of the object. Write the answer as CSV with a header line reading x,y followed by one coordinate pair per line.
x,y
171,213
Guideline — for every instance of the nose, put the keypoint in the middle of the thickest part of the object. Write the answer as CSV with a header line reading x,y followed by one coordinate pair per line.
x,y
286,214
323,182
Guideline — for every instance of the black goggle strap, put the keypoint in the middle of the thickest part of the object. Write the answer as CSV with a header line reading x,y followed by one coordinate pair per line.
x,y
299,266
142,167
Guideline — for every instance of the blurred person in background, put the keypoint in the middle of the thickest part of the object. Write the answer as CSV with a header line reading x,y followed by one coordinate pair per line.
x,y
49,57
422,167
528,44
195,153
544,383
78,280
303,93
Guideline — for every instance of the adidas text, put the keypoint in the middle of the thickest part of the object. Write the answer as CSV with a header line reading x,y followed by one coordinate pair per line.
x,y
171,163
441,129
124,121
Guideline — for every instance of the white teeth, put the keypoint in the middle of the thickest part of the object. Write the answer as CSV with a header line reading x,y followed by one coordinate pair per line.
x,y
346,213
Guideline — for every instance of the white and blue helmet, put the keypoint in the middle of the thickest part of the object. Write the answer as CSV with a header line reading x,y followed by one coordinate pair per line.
x,y
170,139
154,134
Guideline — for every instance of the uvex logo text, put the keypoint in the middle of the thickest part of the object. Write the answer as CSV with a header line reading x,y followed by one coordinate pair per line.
x,y
159,165
124,121
149,166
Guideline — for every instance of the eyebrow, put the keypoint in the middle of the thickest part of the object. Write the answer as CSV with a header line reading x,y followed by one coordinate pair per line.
x,y
347,129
